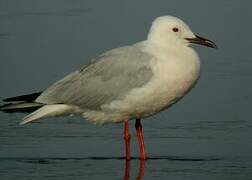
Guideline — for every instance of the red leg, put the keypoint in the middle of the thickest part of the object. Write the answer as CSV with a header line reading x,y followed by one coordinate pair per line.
x,y
140,139
127,140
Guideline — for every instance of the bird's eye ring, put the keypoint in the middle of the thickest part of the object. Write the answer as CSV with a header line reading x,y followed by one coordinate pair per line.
x,y
175,29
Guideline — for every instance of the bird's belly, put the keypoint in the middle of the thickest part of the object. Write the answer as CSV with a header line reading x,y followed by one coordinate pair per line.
x,y
159,99
163,97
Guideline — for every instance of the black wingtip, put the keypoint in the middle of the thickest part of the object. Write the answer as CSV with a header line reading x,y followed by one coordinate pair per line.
x,y
21,107
26,98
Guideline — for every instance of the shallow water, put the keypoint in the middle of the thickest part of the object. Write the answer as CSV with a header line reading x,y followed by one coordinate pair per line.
x,y
74,149
208,135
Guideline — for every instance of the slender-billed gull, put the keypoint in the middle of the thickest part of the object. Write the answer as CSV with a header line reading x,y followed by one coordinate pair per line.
x,y
130,82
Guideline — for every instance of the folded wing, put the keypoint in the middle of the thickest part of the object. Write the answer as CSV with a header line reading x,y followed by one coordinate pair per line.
x,y
108,77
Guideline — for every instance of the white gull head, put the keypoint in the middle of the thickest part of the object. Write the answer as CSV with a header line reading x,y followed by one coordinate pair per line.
x,y
170,32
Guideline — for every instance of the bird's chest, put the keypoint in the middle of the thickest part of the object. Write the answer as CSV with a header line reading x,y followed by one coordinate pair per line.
x,y
173,79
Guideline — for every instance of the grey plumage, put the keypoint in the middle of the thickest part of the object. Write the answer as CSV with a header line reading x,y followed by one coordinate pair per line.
x,y
108,77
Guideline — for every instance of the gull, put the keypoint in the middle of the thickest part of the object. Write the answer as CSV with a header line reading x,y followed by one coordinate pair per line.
x,y
125,83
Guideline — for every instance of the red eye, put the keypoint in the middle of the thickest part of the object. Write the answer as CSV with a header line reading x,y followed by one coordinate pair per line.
x,y
175,29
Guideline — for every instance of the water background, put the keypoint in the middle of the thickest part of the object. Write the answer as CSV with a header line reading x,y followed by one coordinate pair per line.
x,y
207,135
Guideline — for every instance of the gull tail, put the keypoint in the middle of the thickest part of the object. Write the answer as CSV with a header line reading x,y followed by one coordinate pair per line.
x,y
52,110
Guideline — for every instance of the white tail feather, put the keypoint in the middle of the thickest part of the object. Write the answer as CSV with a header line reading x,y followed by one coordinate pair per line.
x,y
49,111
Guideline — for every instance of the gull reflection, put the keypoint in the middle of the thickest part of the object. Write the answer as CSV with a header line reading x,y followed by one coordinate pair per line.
x,y
141,169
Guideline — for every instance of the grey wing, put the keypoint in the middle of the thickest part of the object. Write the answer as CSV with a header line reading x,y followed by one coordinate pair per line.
x,y
109,77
